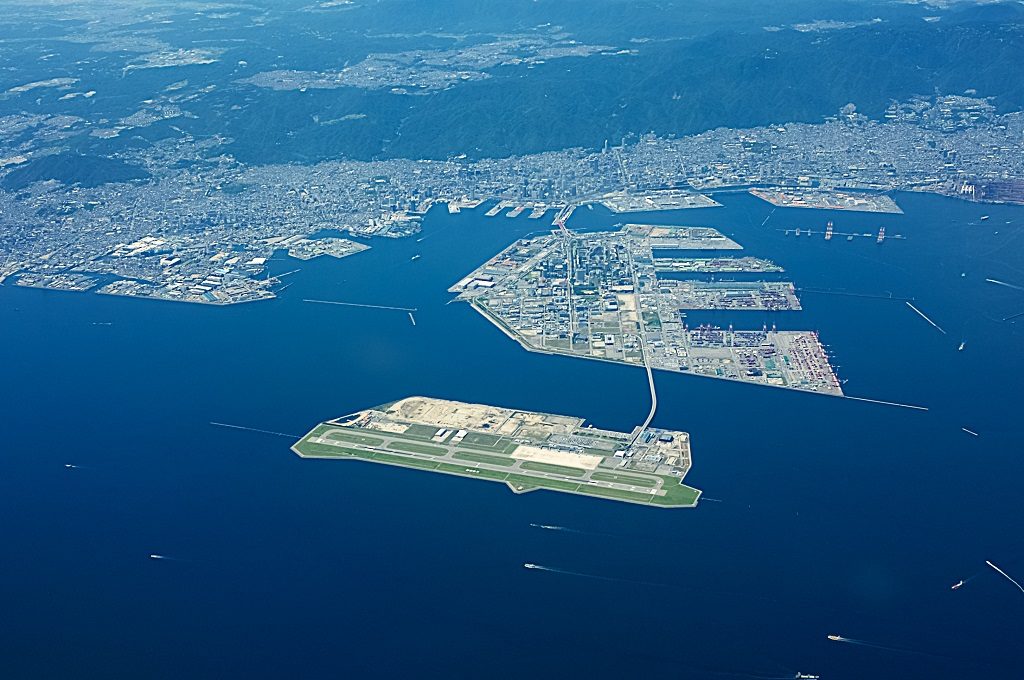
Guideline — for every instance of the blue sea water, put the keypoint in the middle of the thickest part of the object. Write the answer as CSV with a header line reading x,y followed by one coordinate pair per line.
x,y
830,516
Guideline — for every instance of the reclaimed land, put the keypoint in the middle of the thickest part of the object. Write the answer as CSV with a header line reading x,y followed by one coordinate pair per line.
x,y
398,450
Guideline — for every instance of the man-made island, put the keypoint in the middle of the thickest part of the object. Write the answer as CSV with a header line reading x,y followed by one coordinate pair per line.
x,y
599,296
829,200
525,450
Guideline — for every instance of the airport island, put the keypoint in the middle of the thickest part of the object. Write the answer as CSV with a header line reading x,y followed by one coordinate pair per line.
x,y
525,450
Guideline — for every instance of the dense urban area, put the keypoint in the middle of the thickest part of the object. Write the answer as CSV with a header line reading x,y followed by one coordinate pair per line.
x,y
200,226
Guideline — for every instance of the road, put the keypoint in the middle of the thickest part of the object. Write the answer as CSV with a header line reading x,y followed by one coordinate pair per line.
x,y
643,349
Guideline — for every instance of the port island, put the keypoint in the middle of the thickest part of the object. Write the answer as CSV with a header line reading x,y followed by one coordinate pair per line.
x,y
525,450
600,295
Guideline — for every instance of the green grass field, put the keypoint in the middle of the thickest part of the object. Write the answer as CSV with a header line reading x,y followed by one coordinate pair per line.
x,y
484,458
404,461
424,432
676,494
481,440
488,444
413,447
553,469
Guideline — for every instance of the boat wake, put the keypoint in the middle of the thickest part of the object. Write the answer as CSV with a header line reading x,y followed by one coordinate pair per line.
x,y
554,527
596,577
1009,578
568,530
874,645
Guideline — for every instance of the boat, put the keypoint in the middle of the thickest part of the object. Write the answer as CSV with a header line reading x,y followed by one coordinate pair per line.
x,y
961,347
415,257
530,565
957,585
984,217
835,638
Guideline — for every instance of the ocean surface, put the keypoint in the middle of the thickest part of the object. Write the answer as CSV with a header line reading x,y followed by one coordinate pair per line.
x,y
822,515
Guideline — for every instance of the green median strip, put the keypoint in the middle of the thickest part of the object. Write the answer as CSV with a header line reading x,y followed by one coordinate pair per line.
x,y
484,458
406,461
505,447
553,469
412,447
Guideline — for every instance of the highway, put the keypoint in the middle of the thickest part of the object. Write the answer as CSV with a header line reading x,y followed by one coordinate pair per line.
x,y
643,348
